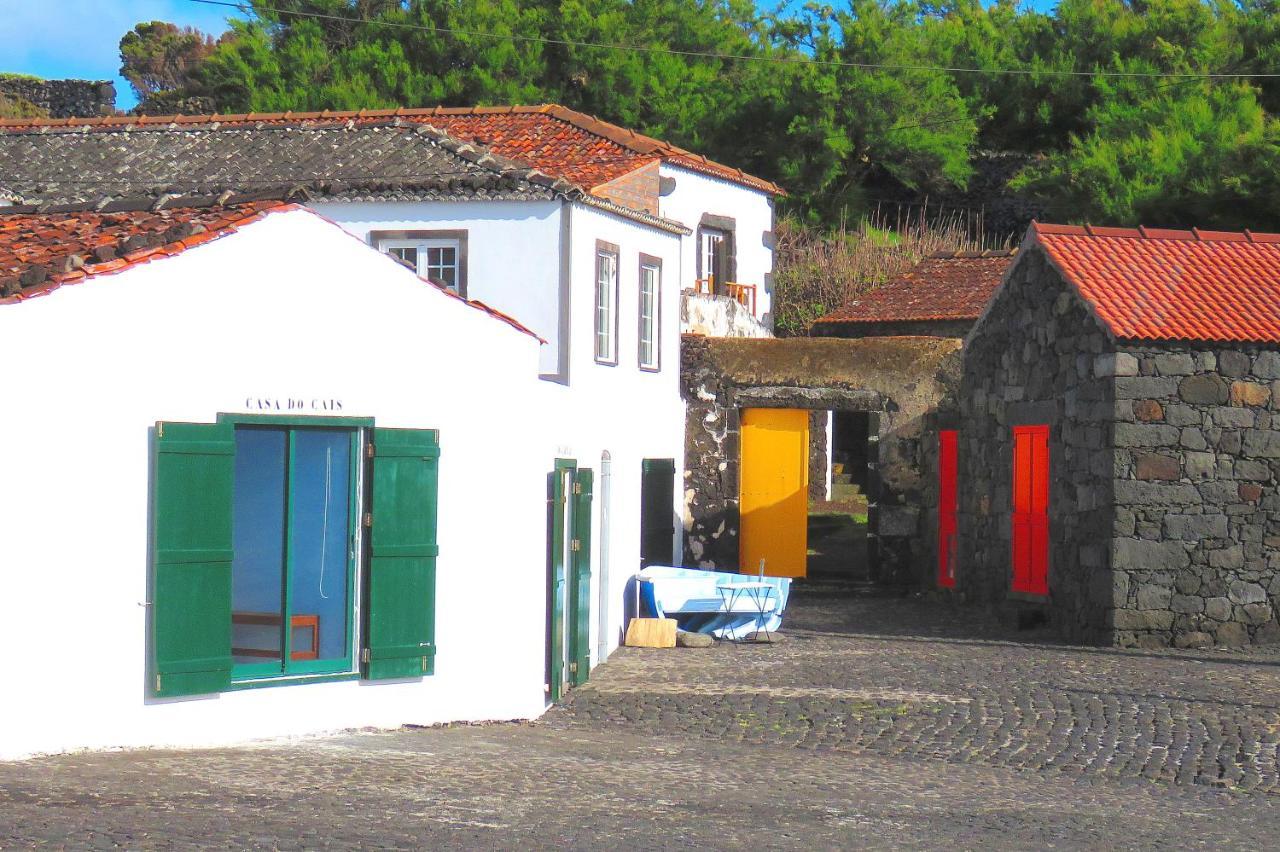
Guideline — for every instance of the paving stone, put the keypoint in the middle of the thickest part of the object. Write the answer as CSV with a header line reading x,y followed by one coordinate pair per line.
x,y
879,724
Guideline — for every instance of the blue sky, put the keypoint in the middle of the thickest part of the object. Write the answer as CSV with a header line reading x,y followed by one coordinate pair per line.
x,y
80,38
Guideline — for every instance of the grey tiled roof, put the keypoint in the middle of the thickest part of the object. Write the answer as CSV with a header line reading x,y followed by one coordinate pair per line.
x,y
384,161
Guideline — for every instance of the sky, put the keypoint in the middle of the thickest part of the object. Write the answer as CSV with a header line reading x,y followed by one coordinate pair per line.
x,y
80,39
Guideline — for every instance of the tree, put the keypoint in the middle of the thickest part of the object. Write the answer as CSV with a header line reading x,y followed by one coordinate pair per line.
x,y
1197,153
161,57
842,105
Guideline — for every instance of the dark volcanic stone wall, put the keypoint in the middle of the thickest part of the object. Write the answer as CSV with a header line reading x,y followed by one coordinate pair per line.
x,y
818,454
903,381
1164,518
63,98
1197,519
1039,357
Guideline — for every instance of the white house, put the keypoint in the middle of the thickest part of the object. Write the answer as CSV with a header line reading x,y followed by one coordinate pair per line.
x,y
589,235
225,403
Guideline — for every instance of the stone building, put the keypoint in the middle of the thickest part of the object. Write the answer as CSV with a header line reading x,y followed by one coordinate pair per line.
x,y
1118,439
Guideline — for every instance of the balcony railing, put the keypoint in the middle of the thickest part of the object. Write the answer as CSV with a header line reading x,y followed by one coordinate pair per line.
x,y
743,294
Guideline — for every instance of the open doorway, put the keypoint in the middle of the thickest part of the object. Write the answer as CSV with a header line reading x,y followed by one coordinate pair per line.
x,y
843,449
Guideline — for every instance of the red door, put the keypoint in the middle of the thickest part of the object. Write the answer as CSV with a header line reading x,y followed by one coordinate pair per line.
x,y
1031,509
947,474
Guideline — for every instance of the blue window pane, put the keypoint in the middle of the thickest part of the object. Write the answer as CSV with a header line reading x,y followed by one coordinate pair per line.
x,y
257,572
319,543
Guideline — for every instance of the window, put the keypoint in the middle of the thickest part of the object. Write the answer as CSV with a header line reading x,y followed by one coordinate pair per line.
x,y
716,262
257,553
711,255
650,304
606,303
293,563
438,256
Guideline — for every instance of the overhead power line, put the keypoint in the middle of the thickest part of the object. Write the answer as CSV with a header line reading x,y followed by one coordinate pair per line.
x,y
745,57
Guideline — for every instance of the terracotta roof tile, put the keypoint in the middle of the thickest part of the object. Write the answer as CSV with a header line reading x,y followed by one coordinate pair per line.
x,y
42,251
576,147
1161,284
951,286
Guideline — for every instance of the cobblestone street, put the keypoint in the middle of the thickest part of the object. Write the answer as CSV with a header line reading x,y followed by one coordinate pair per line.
x,y
876,723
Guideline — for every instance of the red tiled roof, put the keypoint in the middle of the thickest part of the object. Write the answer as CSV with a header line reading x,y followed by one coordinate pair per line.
x,y
563,143
42,251
1156,284
949,286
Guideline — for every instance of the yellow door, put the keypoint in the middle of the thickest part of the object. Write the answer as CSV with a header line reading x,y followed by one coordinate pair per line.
x,y
774,491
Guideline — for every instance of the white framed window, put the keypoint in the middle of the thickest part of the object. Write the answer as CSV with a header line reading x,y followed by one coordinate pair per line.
x,y
438,256
711,259
606,303
650,303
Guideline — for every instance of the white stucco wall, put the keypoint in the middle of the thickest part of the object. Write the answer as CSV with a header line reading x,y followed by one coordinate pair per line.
x,y
257,314
513,252
515,265
696,194
631,413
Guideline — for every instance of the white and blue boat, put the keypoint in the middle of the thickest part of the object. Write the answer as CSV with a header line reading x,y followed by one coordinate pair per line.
x,y
725,605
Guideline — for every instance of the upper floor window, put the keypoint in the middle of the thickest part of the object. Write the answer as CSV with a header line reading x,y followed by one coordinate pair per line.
x,y
438,256
712,255
716,261
606,303
650,303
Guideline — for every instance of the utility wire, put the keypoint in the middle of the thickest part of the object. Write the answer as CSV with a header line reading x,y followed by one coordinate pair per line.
x,y
744,57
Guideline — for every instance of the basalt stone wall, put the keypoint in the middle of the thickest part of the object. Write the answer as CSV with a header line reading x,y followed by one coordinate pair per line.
x,y
902,380
1196,552
63,98
1039,357
819,463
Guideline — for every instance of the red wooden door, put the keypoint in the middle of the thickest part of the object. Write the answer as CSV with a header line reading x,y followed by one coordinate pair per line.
x,y
1031,509
947,502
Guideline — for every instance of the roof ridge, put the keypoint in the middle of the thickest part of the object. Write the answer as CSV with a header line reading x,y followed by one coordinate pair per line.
x,y
625,138
1143,232
165,201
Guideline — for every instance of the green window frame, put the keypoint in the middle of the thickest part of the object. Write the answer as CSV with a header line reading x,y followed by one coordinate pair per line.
x,y
391,596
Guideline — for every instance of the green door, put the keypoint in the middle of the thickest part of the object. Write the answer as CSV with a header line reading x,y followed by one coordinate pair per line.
x,y
580,573
657,512
569,494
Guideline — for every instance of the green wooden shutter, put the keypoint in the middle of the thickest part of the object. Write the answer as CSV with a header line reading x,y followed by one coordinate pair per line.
x,y
657,512
580,638
400,617
193,483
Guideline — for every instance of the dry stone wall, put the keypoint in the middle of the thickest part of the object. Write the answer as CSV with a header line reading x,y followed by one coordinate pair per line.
x,y
1039,357
63,98
1196,551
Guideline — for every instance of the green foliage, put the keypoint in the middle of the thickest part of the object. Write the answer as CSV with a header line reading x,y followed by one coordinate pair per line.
x,y
807,110
160,57
818,270
14,107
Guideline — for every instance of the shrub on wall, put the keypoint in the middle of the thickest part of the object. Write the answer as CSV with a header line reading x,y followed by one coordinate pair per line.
x,y
817,270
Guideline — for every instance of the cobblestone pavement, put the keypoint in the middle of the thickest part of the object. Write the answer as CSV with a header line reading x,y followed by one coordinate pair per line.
x,y
875,724
843,681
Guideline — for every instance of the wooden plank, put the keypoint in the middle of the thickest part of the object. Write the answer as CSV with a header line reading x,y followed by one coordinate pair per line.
x,y
651,633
